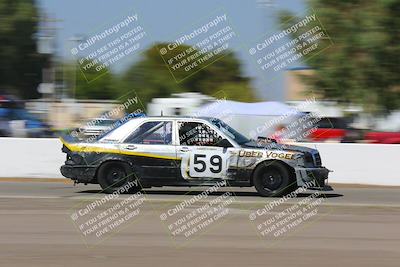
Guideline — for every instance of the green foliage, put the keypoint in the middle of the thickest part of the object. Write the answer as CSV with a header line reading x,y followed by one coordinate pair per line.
x,y
90,84
21,65
150,78
362,66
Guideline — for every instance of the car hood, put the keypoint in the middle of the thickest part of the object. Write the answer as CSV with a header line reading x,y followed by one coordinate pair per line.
x,y
276,146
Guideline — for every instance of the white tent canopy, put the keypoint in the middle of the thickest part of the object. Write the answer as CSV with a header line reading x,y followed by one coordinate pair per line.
x,y
269,108
251,119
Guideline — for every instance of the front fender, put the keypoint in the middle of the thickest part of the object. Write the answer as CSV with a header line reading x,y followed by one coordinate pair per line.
x,y
267,162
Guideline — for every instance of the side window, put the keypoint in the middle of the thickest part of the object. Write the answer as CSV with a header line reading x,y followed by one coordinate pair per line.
x,y
152,133
197,134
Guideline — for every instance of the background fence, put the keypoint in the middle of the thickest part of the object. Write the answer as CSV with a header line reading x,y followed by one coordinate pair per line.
x,y
374,164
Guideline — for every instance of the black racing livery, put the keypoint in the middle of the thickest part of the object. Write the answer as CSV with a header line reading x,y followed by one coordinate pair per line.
x,y
187,151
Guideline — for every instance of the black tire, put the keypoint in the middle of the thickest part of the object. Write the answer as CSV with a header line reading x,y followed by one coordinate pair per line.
x,y
114,175
273,179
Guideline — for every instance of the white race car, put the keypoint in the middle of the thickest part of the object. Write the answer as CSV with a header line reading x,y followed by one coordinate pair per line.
x,y
187,151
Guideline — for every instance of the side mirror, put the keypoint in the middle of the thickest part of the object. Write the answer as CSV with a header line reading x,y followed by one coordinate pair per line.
x,y
262,140
224,143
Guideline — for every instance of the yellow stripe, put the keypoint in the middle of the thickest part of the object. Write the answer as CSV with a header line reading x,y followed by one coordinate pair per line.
x,y
81,148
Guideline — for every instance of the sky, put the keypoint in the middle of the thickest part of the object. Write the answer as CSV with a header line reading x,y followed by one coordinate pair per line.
x,y
164,20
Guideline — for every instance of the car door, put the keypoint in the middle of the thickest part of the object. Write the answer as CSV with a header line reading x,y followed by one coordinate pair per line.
x,y
151,150
201,156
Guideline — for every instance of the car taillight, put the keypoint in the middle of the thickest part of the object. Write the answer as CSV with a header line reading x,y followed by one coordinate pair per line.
x,y
65,149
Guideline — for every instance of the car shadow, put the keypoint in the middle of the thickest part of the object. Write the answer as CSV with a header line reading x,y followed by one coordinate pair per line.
x,y
235,193
219,193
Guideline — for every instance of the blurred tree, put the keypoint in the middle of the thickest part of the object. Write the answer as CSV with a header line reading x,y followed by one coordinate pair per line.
x,y
362,66
21,65
90,84
150,78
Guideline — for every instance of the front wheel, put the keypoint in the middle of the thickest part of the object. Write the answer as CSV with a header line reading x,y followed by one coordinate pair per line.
x,y
113,176
272,179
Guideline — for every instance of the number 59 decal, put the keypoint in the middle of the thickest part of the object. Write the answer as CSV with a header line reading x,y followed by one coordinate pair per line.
x,y
204,164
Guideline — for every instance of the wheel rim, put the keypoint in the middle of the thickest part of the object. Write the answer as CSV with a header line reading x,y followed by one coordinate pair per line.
x,y
116,177
272,180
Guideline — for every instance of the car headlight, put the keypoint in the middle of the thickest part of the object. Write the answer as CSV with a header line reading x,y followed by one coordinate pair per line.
x,y
308,159
305,159
300,160
248,162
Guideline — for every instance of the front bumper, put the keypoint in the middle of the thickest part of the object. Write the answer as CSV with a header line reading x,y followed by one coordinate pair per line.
x,y
83,174
312,177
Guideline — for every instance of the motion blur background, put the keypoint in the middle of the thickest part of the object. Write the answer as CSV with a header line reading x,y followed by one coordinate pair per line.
x,y
353,86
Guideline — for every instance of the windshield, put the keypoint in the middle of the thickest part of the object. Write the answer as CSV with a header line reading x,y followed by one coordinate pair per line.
x,y
232,133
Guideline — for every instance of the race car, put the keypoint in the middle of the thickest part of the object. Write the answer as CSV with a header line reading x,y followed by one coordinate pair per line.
x,y
189,151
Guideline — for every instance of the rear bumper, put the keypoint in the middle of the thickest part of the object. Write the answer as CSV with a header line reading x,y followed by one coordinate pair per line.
x,y
83,174
312,176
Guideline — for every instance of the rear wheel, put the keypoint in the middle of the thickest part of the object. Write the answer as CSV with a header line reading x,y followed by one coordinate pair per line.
x,y
113,176
272,179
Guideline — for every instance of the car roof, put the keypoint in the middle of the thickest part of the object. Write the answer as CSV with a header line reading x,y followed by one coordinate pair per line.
x,y
119,132
178,117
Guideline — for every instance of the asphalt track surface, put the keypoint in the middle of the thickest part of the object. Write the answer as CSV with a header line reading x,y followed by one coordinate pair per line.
x,y
353,226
